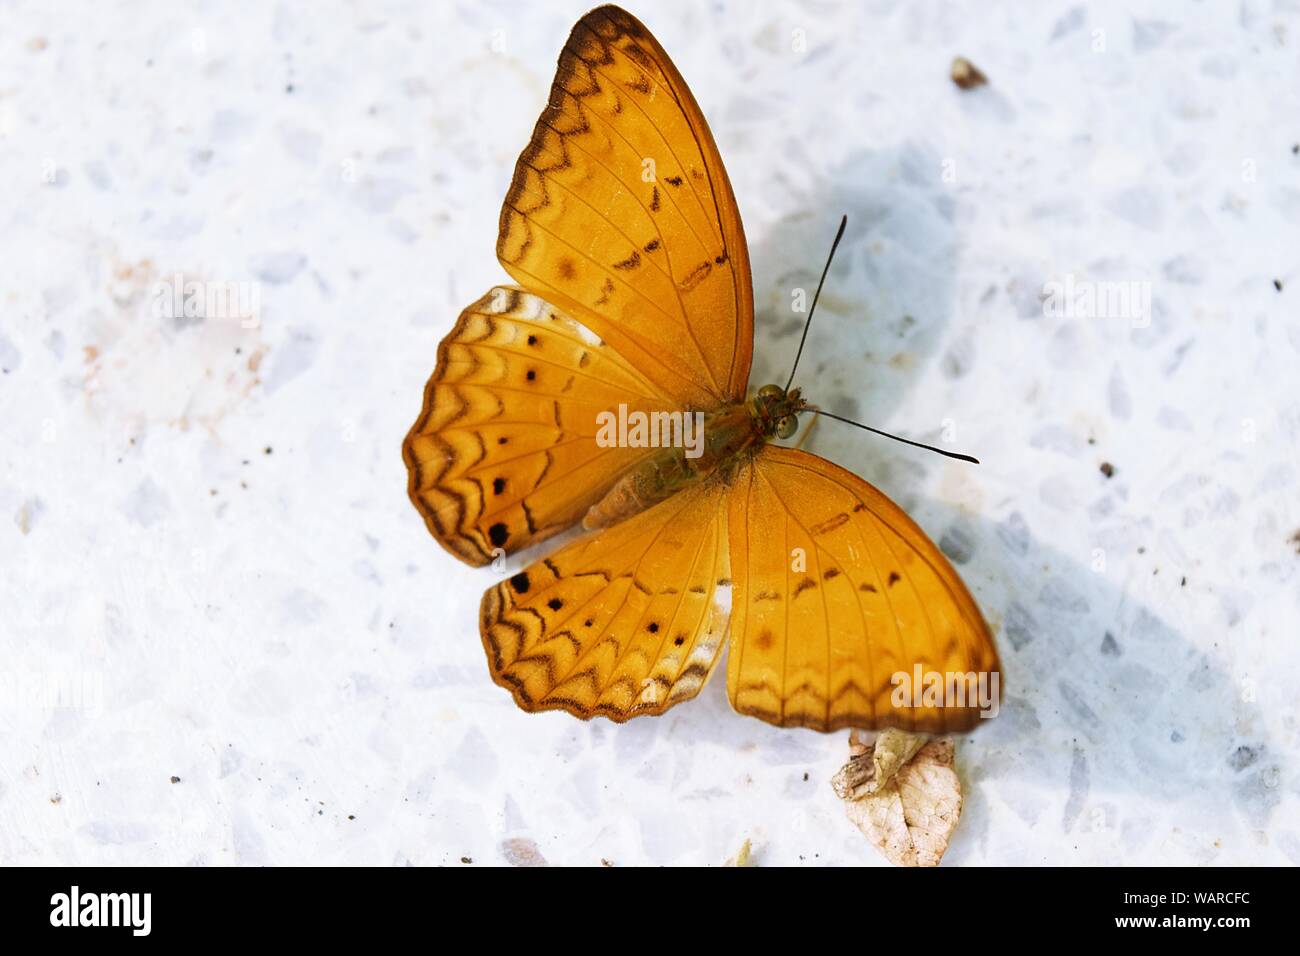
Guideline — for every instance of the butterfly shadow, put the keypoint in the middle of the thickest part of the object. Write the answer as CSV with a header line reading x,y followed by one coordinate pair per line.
x,y
1113,726
887,297
1112,722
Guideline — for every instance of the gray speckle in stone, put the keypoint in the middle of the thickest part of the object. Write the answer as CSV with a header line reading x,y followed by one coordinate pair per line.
x,y
116,832
1203,676
474,761
1243,757
147,504
1075,701
1149,34
1185,270
1289,842
300,607
785,751
1174,420
1019,625
277,268
1121,406
1146,625
958,543
1109,646
1258,792
177,227
55,343
1057,438
1143,206
246,839
229,126
97,174
1176,359
1014,533
231,761
302,144
291,359
1070,21
10,357
1060,595
957,360
1078,790
380,195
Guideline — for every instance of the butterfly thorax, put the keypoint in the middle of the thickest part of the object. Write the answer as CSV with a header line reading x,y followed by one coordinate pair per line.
x,y
731,435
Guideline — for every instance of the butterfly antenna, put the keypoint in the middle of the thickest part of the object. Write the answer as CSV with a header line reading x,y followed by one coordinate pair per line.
x,y
905,441
844,221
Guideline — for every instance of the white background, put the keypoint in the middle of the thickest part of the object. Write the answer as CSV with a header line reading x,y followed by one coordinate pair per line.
x,y
205,539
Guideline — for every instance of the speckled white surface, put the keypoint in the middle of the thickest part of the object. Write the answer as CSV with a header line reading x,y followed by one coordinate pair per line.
x,y
206,542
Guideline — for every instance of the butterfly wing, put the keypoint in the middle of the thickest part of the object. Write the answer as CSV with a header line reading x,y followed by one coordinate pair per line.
x,y
621,213
820,647
504,452
626,621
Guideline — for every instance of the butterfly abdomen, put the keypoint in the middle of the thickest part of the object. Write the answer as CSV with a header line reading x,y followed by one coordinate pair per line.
x,y
650,482
729,433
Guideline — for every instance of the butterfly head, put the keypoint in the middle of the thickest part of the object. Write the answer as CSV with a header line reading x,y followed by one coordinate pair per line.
x,y
776,411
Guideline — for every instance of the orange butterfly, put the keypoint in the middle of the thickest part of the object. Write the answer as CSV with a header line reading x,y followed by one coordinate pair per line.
x,y
635,303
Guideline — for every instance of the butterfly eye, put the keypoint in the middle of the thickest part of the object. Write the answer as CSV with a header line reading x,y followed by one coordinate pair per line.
x,y
770,391
786,426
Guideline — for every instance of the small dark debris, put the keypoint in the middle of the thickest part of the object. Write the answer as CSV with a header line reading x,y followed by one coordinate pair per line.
x,y
1108,469
966,74
351,817
1183,583
1242,757
1277,284
267,450
1295,539
176,779
466,859
805,775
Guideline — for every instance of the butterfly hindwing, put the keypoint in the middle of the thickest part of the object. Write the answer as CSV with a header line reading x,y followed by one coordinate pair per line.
x,y
836,592
621,213
505,450
623,622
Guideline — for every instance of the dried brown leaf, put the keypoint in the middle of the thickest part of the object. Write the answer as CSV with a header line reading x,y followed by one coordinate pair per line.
x,y
911,816
871,766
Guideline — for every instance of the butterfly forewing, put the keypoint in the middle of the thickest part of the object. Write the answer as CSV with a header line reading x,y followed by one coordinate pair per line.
x,y
621,213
